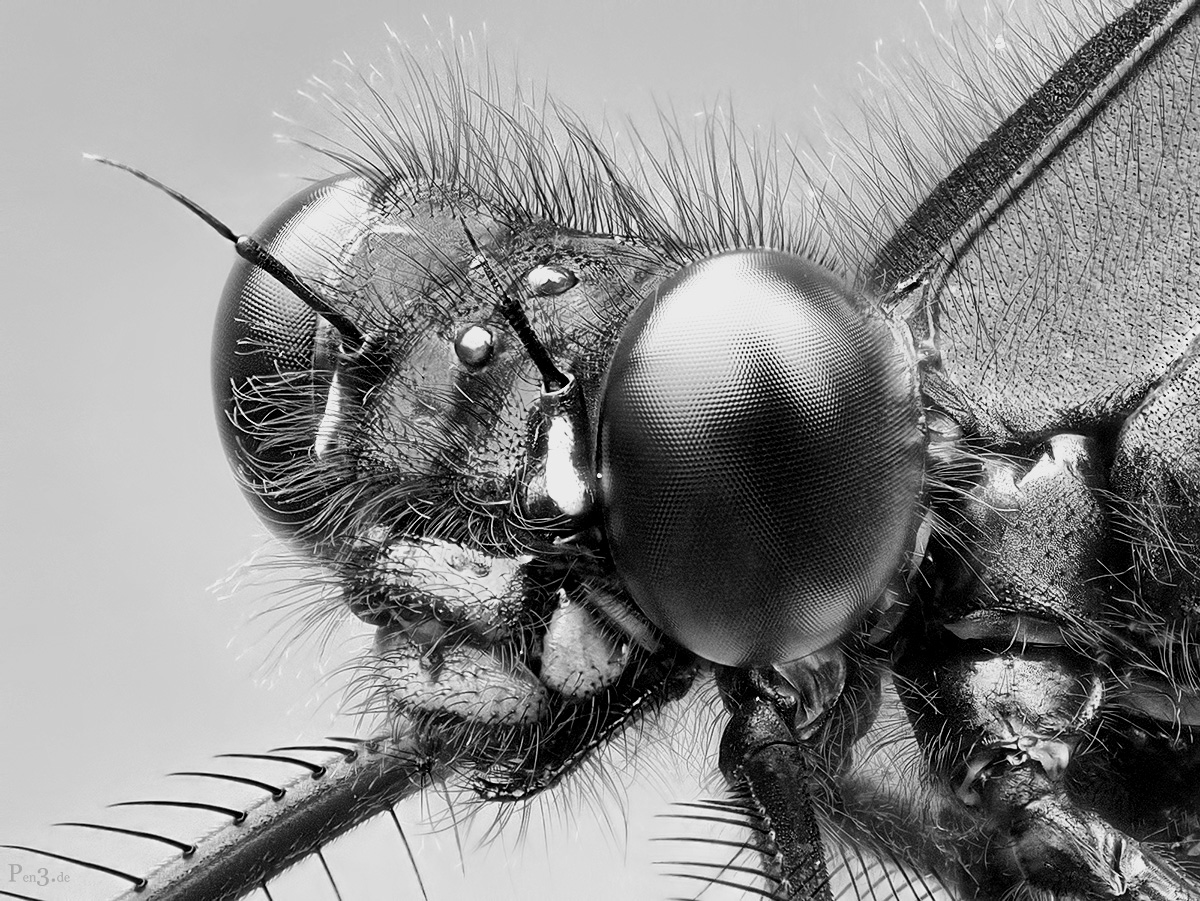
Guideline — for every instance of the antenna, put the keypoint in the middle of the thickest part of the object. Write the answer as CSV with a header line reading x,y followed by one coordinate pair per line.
x,y
249,249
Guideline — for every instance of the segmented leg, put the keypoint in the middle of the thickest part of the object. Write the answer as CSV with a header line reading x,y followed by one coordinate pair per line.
x,y
761,755
1058,846
487,673
302,798
837,795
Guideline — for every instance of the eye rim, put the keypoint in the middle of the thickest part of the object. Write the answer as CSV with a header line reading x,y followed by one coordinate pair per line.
x,y
549,280
475,346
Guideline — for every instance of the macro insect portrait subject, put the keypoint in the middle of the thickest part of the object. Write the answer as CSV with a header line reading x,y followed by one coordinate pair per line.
x,y
886,503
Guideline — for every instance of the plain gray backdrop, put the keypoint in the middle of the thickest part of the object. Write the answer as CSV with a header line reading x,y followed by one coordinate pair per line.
x,y
117,661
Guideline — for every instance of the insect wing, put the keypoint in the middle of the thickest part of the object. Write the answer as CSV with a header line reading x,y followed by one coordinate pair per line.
x,y
1057,265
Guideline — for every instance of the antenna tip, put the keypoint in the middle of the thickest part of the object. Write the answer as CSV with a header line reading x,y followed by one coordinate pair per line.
x,y
108,161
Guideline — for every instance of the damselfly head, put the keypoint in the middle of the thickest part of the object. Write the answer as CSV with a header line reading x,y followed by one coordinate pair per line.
x,y
758,463
494,395
759,448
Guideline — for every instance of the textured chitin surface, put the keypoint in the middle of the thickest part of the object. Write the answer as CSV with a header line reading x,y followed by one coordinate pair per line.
x,y
760,457
1084,287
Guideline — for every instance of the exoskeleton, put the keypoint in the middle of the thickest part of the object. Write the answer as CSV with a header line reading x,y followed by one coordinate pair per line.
x,y
580,440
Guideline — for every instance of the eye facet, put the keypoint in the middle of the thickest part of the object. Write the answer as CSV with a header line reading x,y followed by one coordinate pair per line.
x,y
475,346
760,453
548,281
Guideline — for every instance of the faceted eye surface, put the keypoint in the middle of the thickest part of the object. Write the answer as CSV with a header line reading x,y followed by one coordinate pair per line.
x,y
268,386
760,456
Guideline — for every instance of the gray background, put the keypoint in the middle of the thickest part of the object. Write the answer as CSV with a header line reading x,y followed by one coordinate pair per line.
x,y
117,662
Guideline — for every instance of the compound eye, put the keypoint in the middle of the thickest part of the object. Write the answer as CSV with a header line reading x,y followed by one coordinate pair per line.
x,y
272,359
760,455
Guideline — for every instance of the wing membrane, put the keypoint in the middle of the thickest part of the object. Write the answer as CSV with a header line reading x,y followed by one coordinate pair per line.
x,y
1058,264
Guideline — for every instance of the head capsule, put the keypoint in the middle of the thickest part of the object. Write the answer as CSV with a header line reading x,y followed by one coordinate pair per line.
x,y
760,453
445,427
